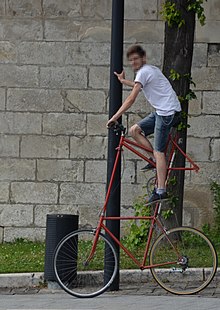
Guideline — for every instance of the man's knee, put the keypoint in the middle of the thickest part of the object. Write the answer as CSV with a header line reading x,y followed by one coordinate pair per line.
x,y
134,130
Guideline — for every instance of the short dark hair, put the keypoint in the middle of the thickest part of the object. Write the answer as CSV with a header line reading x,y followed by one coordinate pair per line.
x,y
136,49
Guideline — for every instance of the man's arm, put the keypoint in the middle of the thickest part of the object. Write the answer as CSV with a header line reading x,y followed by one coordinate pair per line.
x,y
122,79
127,103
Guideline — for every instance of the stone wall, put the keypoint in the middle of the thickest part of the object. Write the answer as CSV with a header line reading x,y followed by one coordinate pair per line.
x,y
54,83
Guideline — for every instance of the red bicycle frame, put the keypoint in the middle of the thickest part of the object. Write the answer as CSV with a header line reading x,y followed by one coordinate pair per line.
x,y
127,143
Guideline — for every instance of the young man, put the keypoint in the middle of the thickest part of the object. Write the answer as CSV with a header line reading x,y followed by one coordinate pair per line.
x,y
160,94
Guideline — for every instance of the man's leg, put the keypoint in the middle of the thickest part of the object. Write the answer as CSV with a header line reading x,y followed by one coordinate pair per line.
x,y
161,168
136,133
161,133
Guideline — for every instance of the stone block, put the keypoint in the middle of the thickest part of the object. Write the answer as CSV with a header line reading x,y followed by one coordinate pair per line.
x,y
211,102
23,29
16,215
215,150
2,7
140,10
210,126
143,177
214,55
154,53
211,9
93,211
64,124
128,171
198,149
45,147
82,193
41,53
208,33
28,233
63,77
41,211
84,101
2,99
198,209
60,8
36,100
130,193
96,171
96,124
136,31
195,105
33,192
60,170
88,147
63,29
20,123
17,169
209,171
191,214
83,53
8,53
206,78
9,146
99,77
4,192
159,8
96,9
91,31
199,55
23,8
18,76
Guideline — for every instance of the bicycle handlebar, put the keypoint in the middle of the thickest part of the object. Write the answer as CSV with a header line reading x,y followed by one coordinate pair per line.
x,y
117,127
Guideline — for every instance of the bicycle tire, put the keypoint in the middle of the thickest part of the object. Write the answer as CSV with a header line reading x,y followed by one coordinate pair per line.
x,y
77,277
193,270
151,183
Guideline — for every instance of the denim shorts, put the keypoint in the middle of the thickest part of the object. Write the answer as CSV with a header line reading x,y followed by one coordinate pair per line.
x,y
160,126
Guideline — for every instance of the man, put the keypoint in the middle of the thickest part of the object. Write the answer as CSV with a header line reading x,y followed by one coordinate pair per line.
x,y
160,94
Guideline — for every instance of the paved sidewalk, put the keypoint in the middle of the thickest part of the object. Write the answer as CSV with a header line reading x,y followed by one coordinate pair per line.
x,y
107,301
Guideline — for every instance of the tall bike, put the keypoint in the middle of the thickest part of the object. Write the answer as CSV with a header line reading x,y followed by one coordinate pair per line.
x,y
182,260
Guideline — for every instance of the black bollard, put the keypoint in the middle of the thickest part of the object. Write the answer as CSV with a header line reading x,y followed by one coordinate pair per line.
x,y
58,226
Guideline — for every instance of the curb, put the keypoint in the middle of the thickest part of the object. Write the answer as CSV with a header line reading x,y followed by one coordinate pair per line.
x,y
21,280
33,280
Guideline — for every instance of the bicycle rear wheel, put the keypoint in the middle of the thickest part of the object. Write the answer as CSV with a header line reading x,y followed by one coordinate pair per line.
x,y
78,276
185,261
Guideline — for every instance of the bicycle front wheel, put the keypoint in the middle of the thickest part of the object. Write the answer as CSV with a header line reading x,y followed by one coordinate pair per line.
x,y
184,261
79,273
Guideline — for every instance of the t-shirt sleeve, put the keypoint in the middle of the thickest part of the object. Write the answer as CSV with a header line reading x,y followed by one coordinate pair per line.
x,y
143,77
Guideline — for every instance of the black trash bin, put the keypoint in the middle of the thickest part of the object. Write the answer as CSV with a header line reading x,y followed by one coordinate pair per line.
x,y
58,226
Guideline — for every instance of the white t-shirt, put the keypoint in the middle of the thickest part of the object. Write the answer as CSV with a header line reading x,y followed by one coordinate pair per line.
x,y
158,90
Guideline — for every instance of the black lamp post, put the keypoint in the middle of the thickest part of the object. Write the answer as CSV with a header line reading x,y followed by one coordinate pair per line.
x,y
115,102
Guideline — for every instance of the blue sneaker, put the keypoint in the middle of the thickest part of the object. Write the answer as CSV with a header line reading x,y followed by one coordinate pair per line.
x,y
157,197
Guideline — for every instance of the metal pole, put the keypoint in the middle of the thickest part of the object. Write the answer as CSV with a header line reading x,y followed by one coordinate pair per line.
x,y
115,101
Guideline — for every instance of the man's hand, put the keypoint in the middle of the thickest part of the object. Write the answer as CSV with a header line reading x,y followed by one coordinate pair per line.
x,y
111,122
120,76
